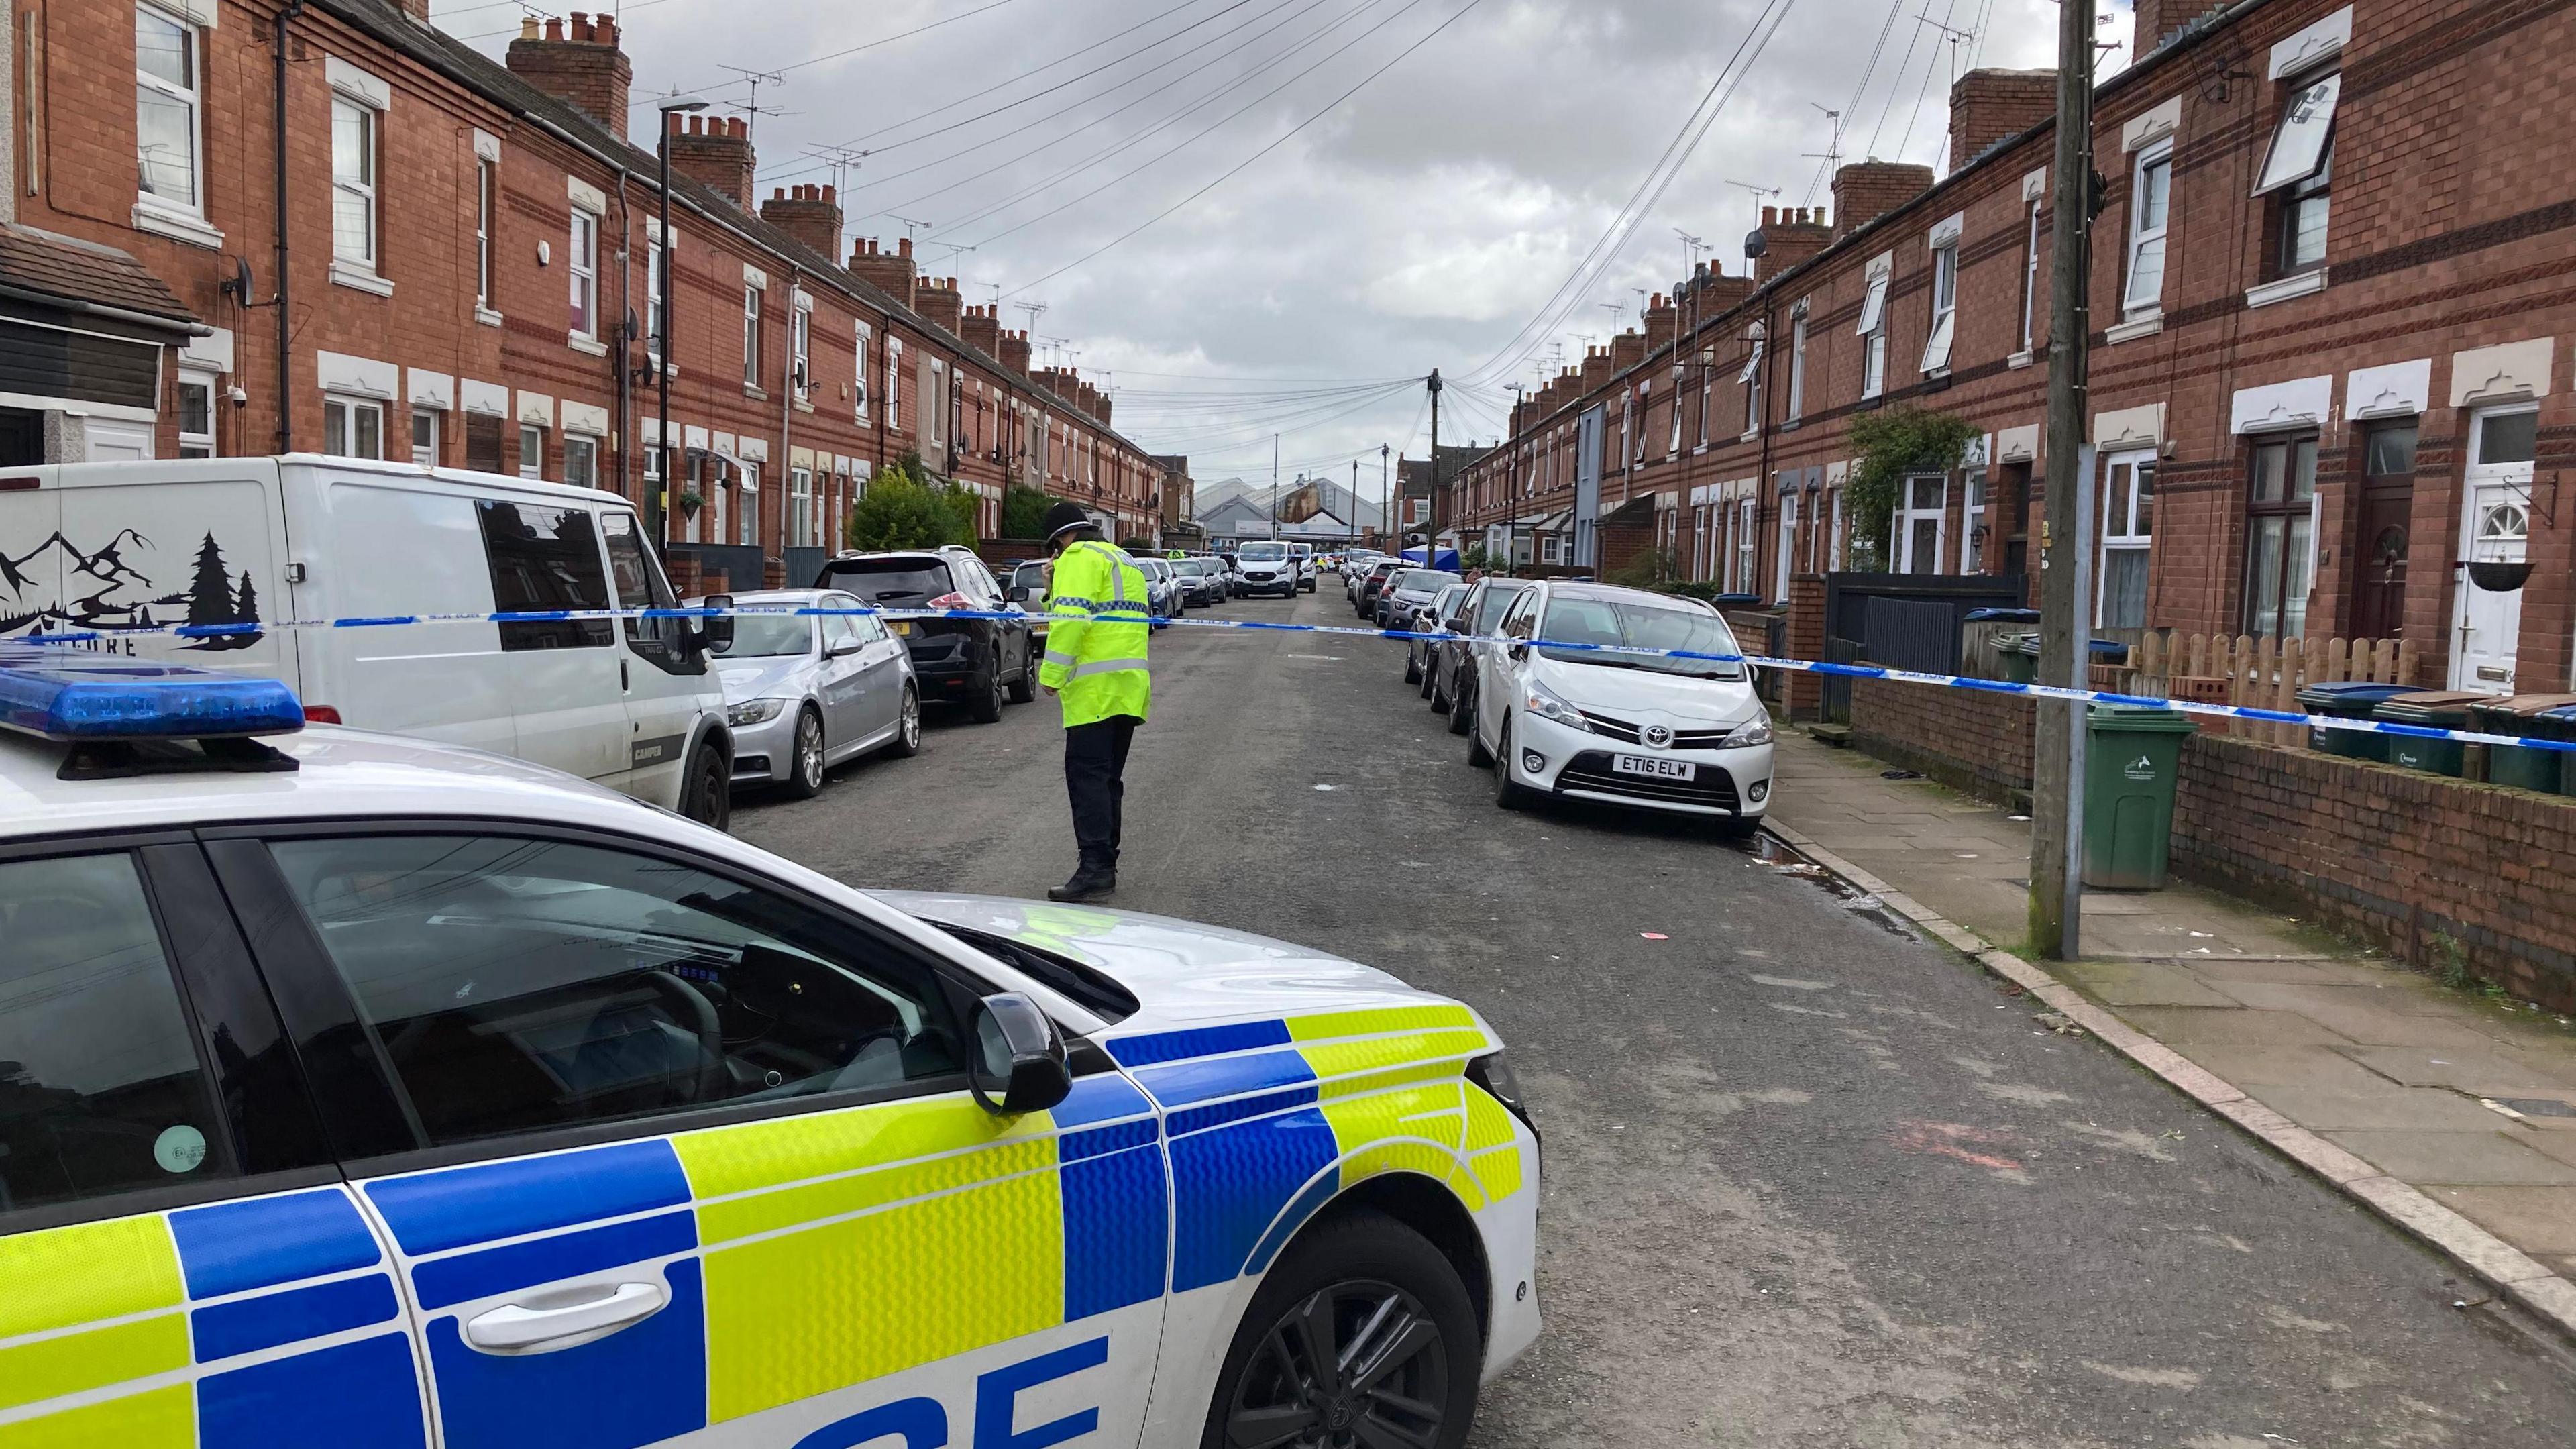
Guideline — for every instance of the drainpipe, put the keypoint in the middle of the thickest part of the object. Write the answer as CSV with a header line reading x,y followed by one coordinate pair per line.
x,y
622,376
285,311
787,416
1768,488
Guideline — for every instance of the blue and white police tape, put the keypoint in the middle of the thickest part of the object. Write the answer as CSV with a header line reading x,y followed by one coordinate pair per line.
x,y
1756,661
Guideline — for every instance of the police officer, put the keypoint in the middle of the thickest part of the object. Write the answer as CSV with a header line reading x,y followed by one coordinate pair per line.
x,y
1097,625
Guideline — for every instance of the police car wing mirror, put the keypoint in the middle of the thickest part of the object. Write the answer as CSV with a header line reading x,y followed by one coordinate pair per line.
x,y
1019,1061
715,632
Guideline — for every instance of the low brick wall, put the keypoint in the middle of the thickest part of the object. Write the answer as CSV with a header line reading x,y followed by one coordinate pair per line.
x,y
2396,856
1967,739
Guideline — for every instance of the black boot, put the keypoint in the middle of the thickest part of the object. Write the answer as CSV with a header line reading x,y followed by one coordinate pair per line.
x,y
1093,881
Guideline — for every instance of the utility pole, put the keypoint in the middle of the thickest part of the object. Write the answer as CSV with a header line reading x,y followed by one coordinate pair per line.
x,y
1512,485
1355,502
1386,497
2066,546
1431,505
1274,486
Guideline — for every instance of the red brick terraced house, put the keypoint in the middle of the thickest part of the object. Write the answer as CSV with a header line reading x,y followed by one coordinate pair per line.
x,y
2334,287
235,227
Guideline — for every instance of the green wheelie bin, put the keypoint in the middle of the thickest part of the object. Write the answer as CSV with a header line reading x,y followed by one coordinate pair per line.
x,y
2131,761
2348,699
2521,714
2443,709
2560,724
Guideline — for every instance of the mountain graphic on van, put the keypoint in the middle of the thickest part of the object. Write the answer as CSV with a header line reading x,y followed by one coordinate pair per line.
x,y
107,588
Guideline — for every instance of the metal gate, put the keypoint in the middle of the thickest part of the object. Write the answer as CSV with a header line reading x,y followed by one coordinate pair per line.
x,y
1904,621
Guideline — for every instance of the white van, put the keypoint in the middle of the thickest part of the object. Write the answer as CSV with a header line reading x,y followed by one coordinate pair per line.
x,y
631,704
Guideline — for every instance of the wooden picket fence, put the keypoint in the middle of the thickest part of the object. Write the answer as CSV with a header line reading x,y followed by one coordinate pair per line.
x,y
2259,673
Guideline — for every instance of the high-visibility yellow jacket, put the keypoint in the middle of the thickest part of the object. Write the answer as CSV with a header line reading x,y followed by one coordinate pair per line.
x,y
1095,665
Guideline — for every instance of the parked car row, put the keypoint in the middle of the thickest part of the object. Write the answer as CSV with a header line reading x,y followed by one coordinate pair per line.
x,y
1535,675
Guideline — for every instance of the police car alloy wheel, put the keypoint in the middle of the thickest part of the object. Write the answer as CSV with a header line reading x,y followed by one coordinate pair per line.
x,y
1362,1336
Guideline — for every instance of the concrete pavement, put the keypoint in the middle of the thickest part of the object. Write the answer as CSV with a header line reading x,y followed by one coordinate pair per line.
x,y
2465,1096
1810,1180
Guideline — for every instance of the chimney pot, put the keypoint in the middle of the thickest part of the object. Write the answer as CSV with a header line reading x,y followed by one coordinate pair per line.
x,y
671,123
554,29
527,27
904,248
1770,216
738,128
606,26
830,192
778,193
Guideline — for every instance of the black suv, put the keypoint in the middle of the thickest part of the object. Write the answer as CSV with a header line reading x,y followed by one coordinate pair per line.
x,y
969,661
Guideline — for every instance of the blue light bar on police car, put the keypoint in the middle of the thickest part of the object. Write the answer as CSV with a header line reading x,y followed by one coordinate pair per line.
x,y
60,695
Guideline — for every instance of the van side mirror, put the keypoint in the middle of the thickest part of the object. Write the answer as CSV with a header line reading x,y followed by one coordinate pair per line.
x,y
1019,1064
715,633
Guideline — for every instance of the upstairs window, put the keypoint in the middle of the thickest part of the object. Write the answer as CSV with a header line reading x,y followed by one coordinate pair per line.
x,y
1873,328
353,183
1797,362
2300,170
859,393
2030,283
1751,377
1945,308
166,109
485,183
581,261
2150,201
800,338
750,335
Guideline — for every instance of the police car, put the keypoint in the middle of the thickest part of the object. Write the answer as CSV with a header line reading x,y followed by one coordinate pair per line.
x,y
364,1091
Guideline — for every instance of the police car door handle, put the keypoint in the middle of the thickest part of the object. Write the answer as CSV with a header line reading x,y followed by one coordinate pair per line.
x,y
548,1322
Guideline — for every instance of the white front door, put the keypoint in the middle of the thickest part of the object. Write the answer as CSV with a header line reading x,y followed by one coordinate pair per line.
x,y
2496,528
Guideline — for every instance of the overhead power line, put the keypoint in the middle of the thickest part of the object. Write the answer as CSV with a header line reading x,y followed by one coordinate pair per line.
x,y
1238,168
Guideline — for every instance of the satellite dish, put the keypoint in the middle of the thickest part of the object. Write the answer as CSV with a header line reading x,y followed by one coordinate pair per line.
x,y
238,285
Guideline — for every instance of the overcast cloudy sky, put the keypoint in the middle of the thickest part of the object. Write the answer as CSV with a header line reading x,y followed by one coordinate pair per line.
x,y
1419,223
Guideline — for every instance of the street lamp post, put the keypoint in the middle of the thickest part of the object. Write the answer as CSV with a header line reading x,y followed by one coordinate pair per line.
x,y
657,514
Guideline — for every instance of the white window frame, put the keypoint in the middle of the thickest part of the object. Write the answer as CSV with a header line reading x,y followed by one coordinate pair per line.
x,y
1748,547
751,320
532,461
800,508
1675,450
800,351
1900,552
1938,343
340,417
1873,327
2121,534
1972,516
581,268
2141,235
191,96
424,451
1797,361
585,449
1834,549
1751,377
859,350
746,505
1785,564
360,189
487,185
2312,103
2030,283
197,445
894,383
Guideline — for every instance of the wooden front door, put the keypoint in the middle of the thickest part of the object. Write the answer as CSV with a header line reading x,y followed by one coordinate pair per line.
x,y
2379,575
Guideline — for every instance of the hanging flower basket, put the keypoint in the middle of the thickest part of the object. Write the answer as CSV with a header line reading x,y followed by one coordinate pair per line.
x,y
2498,576
690,503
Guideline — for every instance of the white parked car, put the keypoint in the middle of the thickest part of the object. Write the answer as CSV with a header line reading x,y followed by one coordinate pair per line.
x,y
1268,568
234,542
805,692
1682,735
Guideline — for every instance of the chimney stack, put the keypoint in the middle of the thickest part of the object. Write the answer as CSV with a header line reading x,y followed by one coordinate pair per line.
x,y
714,151
1988,107
1014,352
1789,235
888,272
982,330
811,214
1660,319
937,300
582,66
1867,190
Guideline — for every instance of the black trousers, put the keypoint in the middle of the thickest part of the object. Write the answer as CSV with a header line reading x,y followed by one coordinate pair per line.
x,y
1095,776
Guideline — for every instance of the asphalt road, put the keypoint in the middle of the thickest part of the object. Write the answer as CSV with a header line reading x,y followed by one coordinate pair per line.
x,y
1810,1180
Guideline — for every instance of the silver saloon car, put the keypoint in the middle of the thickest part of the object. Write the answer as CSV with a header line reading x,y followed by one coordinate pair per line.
x,y
804,692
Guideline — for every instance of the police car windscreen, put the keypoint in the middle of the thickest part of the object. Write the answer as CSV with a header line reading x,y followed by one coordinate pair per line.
x,y
1629,625
768,636
897,581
